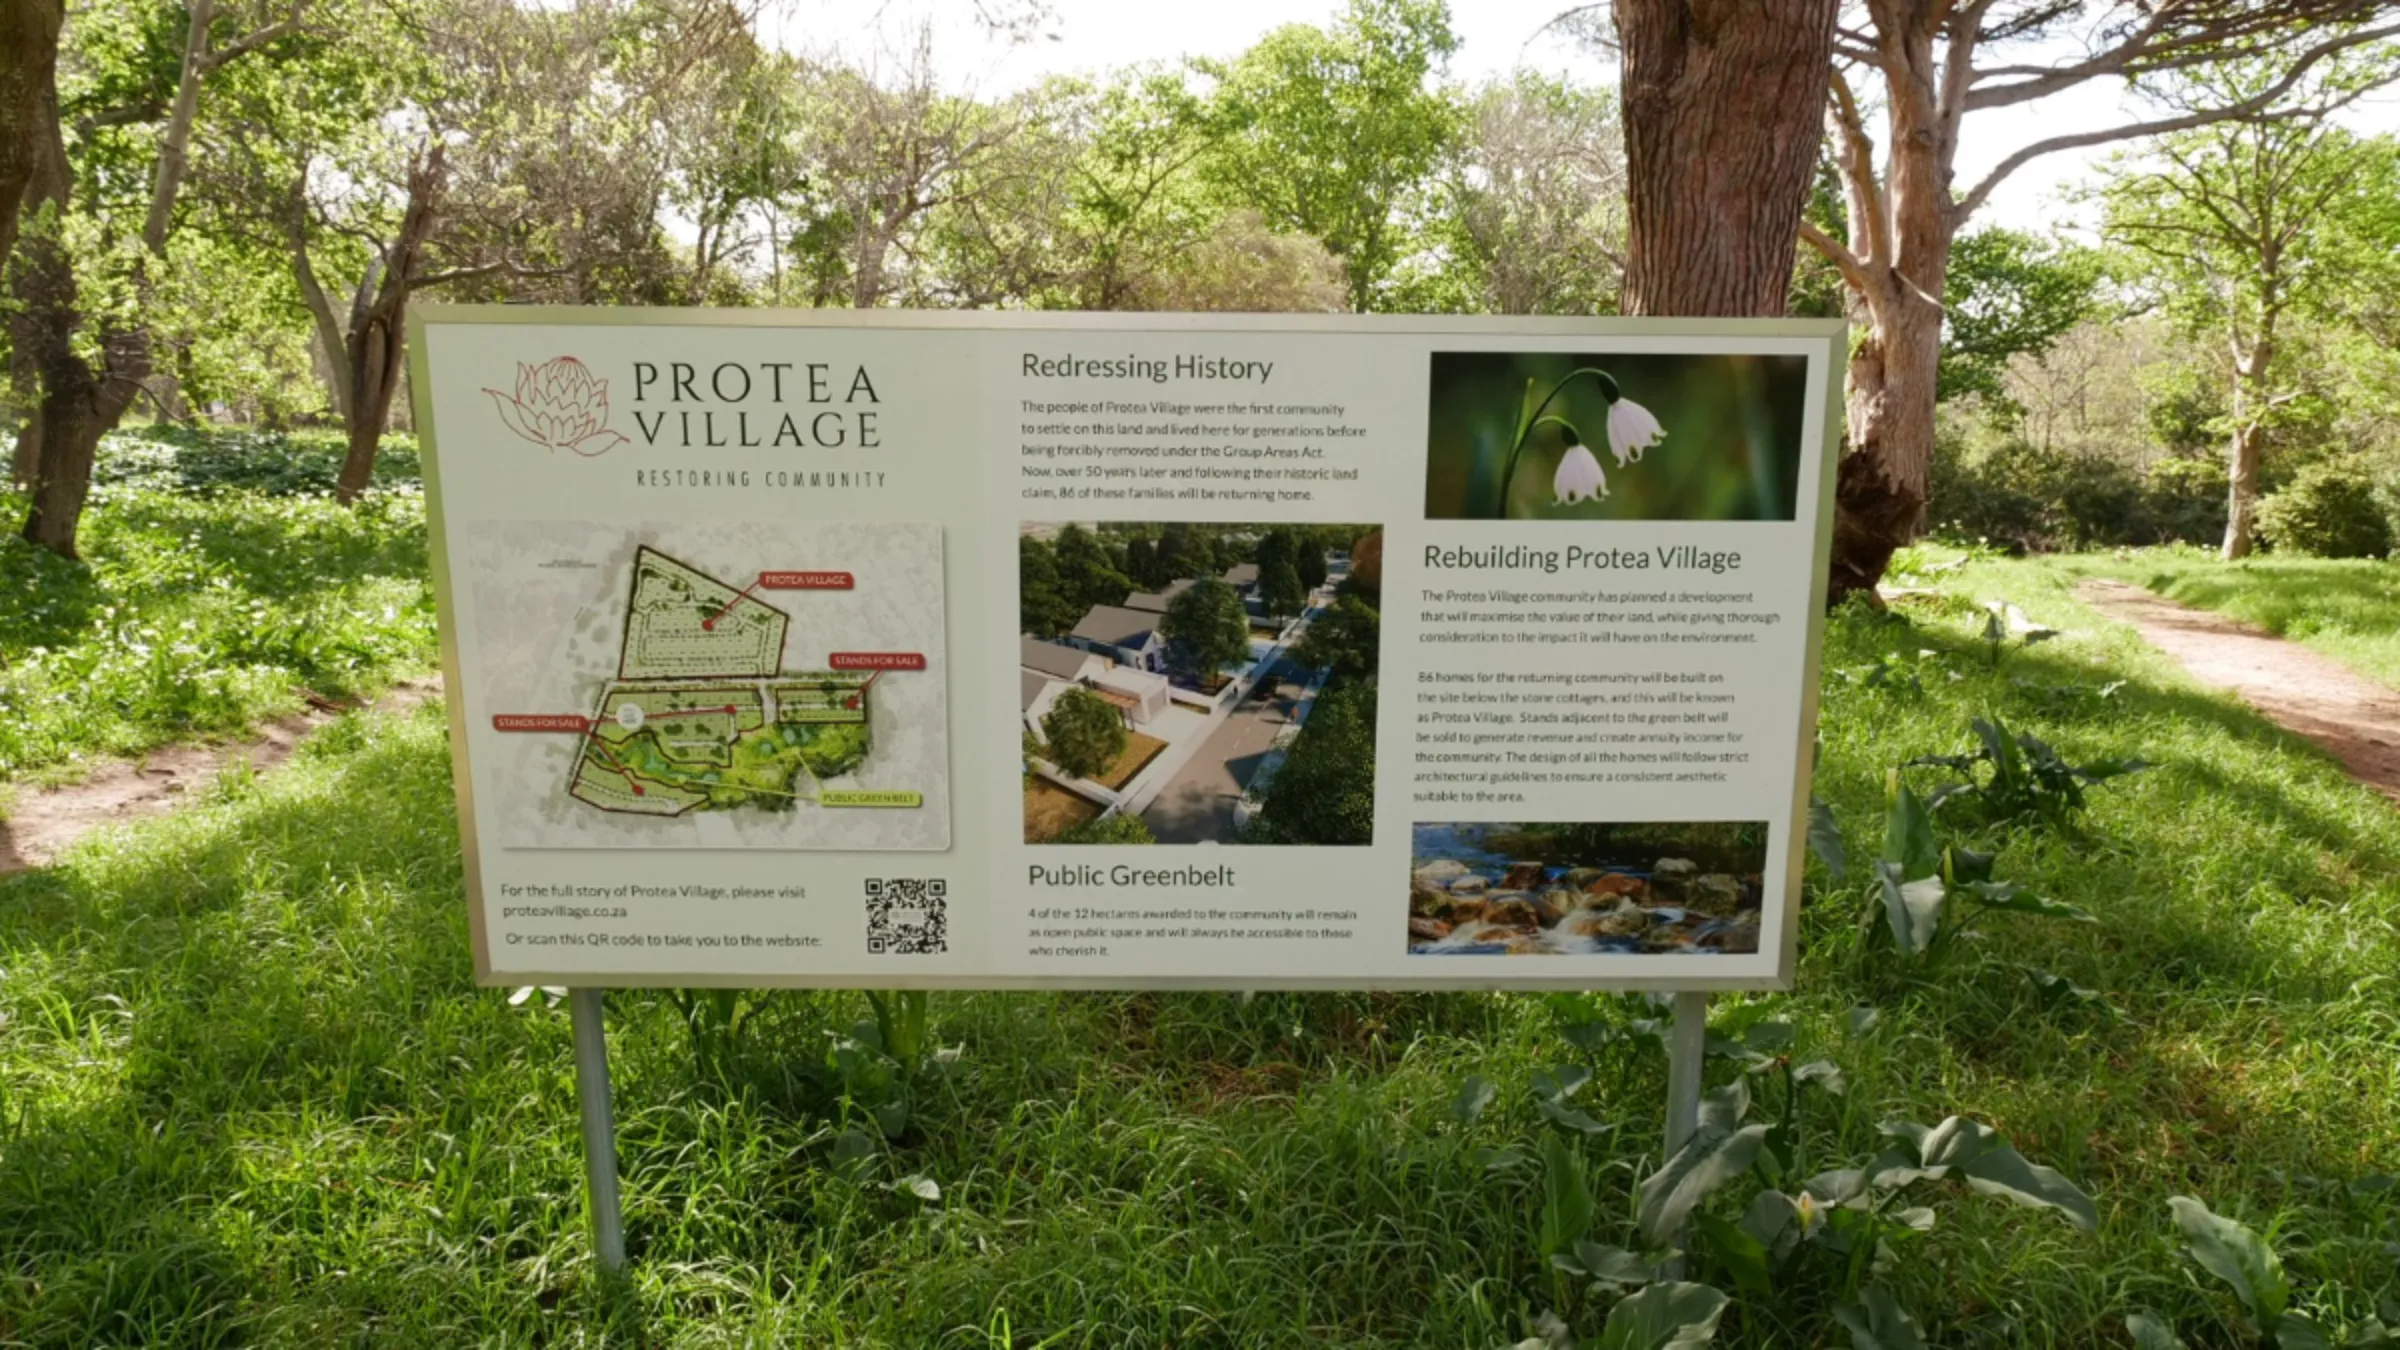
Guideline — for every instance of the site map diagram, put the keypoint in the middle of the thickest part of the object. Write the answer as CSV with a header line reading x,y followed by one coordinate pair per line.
x,y
649,699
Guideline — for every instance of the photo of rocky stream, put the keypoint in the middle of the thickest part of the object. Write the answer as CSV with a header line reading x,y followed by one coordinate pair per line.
x,y
1571,889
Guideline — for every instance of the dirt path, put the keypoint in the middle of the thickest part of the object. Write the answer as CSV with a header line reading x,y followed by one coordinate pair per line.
x,y
2352,717
40,825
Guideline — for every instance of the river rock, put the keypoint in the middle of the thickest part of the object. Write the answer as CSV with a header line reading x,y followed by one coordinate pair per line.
x,y
1441,870
1669,876
1614,884
1427,930
1466,909
1469,886
1523,876
1557,903
1579,877
1516,912
1740,934
1424,899
1715,893
1625,920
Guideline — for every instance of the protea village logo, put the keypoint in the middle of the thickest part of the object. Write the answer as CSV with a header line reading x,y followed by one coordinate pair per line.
x,y
558,404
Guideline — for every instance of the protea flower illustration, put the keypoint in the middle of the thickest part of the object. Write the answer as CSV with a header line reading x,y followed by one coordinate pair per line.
x,y
1632,429
559,405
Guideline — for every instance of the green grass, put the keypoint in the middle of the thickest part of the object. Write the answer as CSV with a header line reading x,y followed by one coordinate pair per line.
x,y
247,1096
2347,608
218,582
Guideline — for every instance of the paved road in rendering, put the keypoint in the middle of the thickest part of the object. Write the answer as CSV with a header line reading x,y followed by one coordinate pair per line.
x,y
1196,805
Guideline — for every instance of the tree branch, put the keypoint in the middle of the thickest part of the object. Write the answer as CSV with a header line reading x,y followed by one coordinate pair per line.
x,y
1854,272
2253,106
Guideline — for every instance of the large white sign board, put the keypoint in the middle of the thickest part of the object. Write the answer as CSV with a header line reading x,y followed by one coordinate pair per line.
x,y
1040,650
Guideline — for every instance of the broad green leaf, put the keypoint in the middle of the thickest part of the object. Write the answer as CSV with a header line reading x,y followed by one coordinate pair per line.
x,y
1473,1096
2056,991
1825,838
1912,908
2291,1331
2149,1333
1708,1160
1838,1187
1612,1265
1773,1220
1566,1197
1990,1165
2234,1254
922,1187
1908,837
1878,1322
1861,1020
2005,895
1591,1035
2371,1334
1560,1081
1823,1074
1571,1118
1723,1108
1770,1037
1743,1256
1962,865
1664,1317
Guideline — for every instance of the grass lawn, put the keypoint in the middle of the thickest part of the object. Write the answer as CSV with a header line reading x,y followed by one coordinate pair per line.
x,y
218,581
2347,608
247,1096
1051,809
1139,751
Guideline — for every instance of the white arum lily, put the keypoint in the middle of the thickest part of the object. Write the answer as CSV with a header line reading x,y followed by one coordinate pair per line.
x,y
1631,430
1578,478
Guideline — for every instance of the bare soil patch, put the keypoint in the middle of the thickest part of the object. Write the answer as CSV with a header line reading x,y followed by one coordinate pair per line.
x,y
2355,719
41,825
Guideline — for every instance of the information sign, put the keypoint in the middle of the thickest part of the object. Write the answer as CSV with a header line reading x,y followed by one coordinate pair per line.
x,y
903,649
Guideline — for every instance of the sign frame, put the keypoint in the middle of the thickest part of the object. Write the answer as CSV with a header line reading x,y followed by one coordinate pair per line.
x,y
1832,333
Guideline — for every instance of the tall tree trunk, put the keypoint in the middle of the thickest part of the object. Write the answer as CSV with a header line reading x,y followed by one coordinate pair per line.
x,y
2249,442
1723,121
377,346
1879,496
28,65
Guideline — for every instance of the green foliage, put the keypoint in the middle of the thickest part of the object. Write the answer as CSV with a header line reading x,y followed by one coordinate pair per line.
x,y
2025,499
1326,131
1044,608
2007,294
2015,774
1933,895
204,612
1206,628
1344,638
1116,829
1325,791
1090,571
2335,508
2248,1265
1082,734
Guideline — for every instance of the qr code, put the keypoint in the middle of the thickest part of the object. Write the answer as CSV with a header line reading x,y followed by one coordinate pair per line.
x,y
909,916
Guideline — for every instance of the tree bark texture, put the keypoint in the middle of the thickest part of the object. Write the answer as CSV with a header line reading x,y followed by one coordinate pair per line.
x,y
1724,103
378,341
28,63
2249,441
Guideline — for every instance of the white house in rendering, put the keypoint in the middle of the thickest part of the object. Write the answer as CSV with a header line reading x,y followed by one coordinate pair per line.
x,y
1127,636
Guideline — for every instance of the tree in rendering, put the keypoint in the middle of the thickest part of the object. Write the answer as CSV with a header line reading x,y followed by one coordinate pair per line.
x,y
1345,638
1206,628
1084,735
1325,791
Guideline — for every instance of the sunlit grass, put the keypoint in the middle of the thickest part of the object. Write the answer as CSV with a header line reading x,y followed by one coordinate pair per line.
x,y
2347,608
215,588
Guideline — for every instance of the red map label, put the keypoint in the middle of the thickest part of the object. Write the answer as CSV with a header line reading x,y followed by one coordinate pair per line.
x,y
807,581
540,722
876,660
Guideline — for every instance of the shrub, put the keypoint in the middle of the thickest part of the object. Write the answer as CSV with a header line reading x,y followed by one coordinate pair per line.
x,y
2332,508
2184,499
1085,734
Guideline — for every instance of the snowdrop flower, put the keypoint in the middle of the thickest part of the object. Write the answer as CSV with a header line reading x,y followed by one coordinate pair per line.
x,y
1631,430
1578,477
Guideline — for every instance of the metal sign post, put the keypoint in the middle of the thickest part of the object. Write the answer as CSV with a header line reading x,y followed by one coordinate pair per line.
x,y
599,1130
